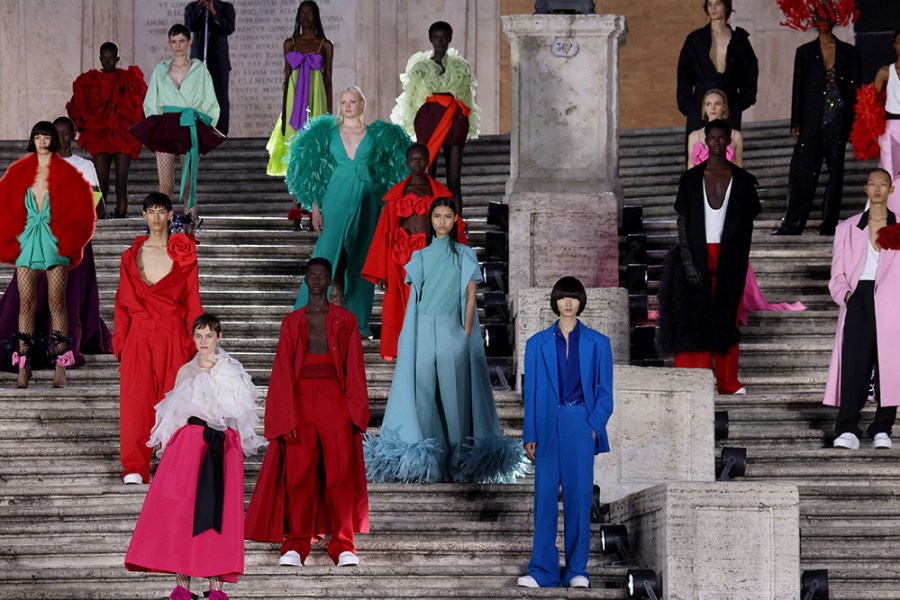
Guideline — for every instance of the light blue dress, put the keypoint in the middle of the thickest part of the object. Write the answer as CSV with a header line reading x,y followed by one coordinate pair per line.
x,y
39,248
441,423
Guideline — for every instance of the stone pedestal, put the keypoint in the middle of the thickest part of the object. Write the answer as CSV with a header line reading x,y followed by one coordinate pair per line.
x,y
661,430
563,189
717,540
606,311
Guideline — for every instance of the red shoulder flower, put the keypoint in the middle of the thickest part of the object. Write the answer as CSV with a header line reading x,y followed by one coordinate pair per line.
x,y
889,237
182,249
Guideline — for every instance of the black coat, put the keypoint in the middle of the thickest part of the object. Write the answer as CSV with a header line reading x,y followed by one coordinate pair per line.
x,y
220,27
807,103
697,74
691,318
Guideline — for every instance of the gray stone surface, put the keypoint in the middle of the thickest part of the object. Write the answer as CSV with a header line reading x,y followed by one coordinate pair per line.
x,y
606,311
661,430
712,541
551,235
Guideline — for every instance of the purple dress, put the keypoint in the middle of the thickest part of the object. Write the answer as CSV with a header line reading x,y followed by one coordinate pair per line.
x,y
89,333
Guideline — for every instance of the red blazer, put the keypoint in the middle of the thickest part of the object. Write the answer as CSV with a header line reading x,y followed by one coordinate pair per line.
x,y
175,298
71,207
265,515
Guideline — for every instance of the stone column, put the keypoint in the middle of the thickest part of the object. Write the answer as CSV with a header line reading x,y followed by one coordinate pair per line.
x,y
564,190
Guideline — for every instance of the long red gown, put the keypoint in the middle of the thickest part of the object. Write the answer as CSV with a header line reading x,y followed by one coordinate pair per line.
x,y
278,495
390,251
151,340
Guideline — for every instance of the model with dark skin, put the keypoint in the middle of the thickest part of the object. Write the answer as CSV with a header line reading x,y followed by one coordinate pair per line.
x,y
881,78
308,42
418,184
440,41
102,161
66,135
828,46
318,279
717,173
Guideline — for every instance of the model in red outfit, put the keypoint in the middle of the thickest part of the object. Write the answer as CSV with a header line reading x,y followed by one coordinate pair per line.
x,y
401,231
154,312
312,480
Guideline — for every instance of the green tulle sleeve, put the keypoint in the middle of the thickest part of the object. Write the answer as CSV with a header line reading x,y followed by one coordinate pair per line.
x,y
388,163
311,165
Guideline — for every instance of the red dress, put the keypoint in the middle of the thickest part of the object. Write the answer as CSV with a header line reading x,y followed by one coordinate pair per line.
x,y
151,339
104,106
71,207
281,493
391,249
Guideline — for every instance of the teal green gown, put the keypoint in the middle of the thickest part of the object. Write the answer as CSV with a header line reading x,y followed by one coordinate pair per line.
x,y
39,249
350,211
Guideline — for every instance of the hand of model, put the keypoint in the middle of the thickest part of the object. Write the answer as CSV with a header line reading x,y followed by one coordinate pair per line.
x,y
795,134
529,450
292,437
382,285
847,296
693,275
317,219
208,5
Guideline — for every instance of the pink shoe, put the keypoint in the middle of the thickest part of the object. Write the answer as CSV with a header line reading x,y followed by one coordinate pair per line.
x,y
217,595
179,593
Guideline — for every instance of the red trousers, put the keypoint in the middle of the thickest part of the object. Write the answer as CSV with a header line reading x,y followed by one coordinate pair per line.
x,y
151,357
724,366
320,464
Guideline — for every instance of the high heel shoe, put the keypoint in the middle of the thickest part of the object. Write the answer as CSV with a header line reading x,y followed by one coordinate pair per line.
x,y
62,360
22,359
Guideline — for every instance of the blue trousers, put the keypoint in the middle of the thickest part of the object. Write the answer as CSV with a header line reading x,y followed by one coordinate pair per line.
x,y
567,460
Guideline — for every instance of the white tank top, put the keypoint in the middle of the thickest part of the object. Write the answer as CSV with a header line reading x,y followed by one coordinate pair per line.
x,y
714,219
871,266
893,91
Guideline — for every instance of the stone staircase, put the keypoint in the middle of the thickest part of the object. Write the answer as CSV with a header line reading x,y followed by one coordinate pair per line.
x,y
65,517
850,509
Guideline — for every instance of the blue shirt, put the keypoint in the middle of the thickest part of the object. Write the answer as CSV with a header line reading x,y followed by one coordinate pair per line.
x,y
568,368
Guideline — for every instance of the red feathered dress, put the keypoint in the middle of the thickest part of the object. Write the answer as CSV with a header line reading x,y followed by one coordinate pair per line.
x,y
104,106
71,207
313,482
391,249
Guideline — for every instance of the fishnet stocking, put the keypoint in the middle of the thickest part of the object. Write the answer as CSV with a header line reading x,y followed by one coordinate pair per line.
x,y
57,279
165,168
123,164
215,583
183,580
27,281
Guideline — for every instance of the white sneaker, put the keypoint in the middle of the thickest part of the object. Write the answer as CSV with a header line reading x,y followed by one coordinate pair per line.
x,y
291,558
527,581
741,392
132,479
848,441
579,581
882,441
347,559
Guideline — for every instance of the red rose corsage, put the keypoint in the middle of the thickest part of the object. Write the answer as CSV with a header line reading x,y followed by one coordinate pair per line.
x,y
889,237
182,249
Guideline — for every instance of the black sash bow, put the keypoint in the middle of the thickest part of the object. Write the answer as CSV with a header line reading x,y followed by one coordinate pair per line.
x,y
210,481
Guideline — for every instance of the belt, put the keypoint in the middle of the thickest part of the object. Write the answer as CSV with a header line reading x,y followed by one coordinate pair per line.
x,y
210,481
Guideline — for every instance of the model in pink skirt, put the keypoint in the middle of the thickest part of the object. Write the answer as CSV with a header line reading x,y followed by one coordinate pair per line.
x,y
192,521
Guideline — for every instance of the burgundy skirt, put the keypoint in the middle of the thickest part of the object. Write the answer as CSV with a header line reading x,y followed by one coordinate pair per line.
x,y
165,133
163,540
429,116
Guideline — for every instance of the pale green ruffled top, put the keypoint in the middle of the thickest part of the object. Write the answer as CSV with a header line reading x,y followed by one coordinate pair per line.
x,y
39,250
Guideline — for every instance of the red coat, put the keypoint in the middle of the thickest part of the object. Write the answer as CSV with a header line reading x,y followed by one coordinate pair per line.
x,y
175,297
284,414
389,253
71,207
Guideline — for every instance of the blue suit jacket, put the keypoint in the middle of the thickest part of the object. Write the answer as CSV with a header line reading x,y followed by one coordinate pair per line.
x,y
542,386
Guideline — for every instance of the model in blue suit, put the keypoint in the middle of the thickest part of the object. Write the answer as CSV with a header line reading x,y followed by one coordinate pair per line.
x,y
568,401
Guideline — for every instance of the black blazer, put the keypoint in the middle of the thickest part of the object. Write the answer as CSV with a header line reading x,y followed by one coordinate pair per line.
x,y
220,27
697,74
807,103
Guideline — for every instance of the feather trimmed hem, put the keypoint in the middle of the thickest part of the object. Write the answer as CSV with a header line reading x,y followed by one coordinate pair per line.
x,y
390,459
495,459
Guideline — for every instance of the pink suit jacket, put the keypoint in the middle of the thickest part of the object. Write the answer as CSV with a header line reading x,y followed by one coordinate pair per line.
x,y
847,263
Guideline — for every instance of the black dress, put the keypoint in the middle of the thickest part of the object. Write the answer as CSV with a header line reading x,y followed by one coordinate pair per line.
x,y
697,74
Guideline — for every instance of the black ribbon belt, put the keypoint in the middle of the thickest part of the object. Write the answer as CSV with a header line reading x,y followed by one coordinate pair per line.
x,y
891,116
210,481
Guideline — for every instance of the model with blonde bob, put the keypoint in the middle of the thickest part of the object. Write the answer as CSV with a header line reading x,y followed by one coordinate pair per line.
x,y
714,106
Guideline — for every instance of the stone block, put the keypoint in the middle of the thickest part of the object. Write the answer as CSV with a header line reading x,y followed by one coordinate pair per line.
x,y
606,311
711,541
661,430
551,235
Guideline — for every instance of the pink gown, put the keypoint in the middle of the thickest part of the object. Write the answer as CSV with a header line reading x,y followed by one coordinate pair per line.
x,y
753,299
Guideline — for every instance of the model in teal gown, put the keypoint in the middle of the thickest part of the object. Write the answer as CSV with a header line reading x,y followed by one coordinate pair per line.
x,y
348,191
38,245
